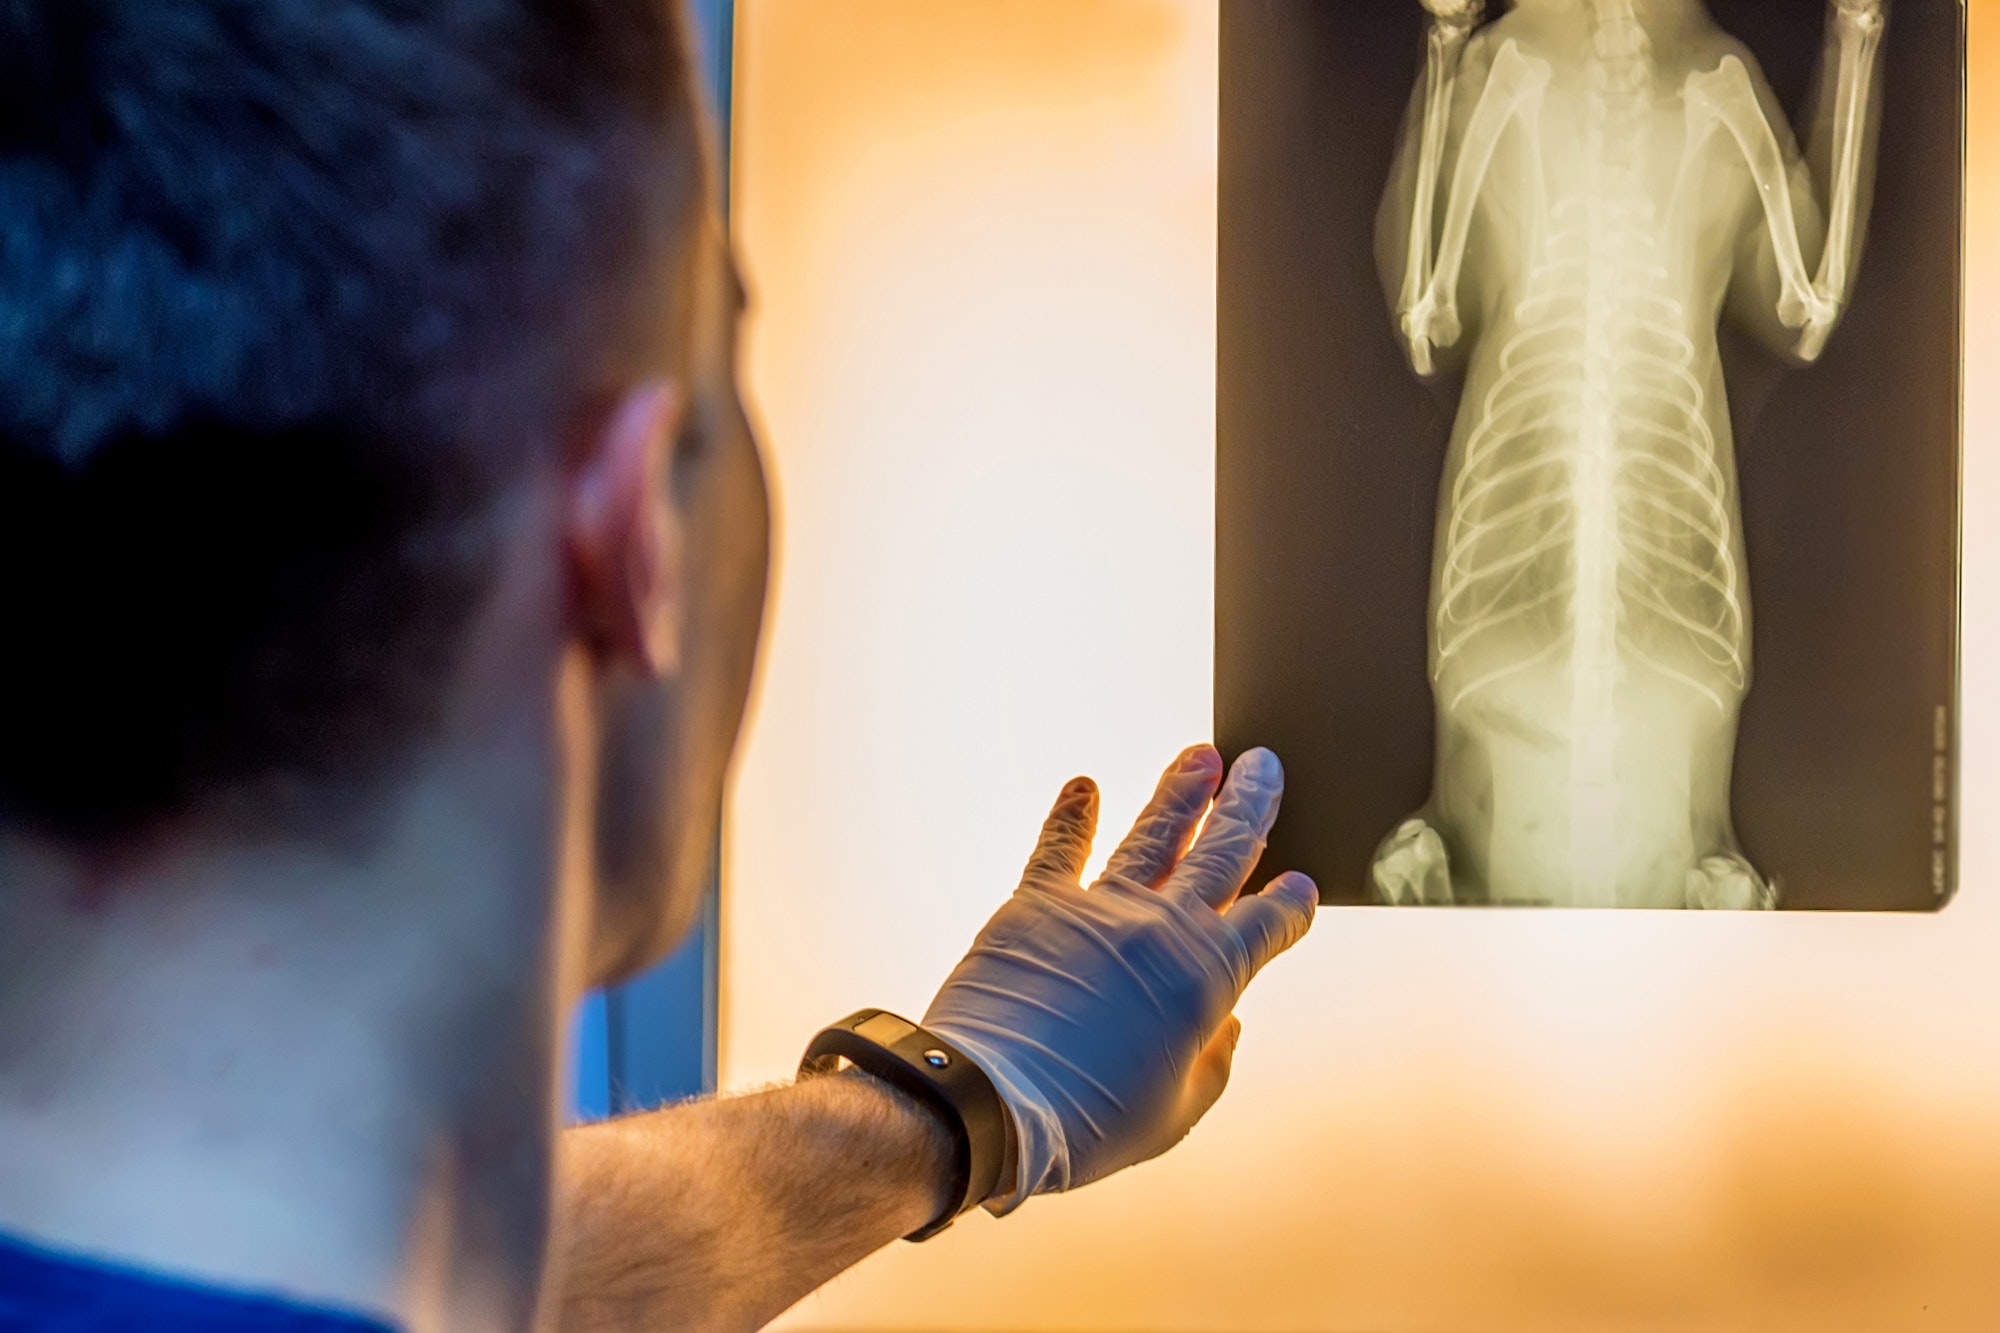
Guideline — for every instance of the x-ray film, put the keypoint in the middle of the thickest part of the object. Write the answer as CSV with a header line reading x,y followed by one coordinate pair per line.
x,y
1588,467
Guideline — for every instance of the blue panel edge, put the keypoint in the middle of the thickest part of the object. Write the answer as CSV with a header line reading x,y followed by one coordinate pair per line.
x,y
654,1039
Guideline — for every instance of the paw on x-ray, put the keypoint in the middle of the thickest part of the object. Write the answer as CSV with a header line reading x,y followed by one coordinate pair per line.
x,y
1581,197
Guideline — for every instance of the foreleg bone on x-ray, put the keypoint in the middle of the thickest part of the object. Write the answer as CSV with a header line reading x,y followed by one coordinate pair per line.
x,y
1515,81
1726,96
1858,31
1452,22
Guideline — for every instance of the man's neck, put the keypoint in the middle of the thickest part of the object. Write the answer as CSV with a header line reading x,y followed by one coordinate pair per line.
x,y
312,1071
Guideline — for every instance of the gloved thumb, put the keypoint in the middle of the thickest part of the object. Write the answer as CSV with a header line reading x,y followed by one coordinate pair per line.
x,y
1210,1074
1206,1078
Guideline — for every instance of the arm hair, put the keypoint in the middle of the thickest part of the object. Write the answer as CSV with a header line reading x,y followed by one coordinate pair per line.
x,y
720,1214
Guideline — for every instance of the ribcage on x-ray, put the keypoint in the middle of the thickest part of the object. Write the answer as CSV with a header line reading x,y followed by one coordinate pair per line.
x,y
1594,424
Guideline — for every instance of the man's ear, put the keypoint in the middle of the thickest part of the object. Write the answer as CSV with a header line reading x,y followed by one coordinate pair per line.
x,y
623,536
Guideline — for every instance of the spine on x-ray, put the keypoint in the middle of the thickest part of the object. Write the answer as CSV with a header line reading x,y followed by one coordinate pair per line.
x,y
1590,495
1620,263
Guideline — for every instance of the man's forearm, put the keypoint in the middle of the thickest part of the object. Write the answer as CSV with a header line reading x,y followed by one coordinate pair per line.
x,y
720,1214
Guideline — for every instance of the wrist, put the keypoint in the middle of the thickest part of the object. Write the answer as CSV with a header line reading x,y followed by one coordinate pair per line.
x,y
922,1141
1037,1151
924,1066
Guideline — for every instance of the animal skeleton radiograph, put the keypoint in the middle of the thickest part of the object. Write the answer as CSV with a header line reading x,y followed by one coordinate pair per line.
x,y
1584,189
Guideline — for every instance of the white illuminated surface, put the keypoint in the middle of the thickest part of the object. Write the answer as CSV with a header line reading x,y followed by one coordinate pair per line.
x,y
991,428
982,239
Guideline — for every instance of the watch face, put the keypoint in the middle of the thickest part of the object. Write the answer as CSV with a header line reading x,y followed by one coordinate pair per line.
x,y
1588,450
885,1029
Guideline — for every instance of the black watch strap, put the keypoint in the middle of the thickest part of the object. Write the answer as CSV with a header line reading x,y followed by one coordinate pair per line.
x,y
923,1065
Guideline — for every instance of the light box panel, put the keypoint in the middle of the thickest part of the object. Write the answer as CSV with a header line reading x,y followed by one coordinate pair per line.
x,y
982,241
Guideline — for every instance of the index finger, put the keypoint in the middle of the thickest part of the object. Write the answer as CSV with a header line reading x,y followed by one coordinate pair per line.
x,y
1273,921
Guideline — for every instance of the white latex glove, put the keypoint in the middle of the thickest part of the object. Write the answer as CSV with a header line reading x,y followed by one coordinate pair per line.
x,y
1102,1015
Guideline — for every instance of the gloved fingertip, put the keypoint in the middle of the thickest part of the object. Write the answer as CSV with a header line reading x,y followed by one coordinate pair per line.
x,y
1298,888
1273,921
1261,766
1203,758
1064,846
1255,788
1078,795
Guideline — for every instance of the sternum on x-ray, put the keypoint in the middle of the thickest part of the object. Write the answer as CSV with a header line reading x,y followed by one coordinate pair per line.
x,y
1582,198
1590,632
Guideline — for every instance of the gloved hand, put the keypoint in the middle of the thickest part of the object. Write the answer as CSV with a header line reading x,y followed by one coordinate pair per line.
x,y
1102,1015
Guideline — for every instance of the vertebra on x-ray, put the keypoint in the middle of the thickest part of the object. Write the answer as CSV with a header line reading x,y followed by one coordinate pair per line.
x,y
1583,186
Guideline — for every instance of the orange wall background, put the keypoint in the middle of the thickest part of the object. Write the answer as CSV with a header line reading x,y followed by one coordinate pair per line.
x,y
981,240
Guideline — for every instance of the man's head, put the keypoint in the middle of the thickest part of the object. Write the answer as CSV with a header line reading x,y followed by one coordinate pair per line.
x,y
298,299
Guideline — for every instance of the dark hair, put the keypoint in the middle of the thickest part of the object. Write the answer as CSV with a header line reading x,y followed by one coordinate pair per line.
x,y
287,289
